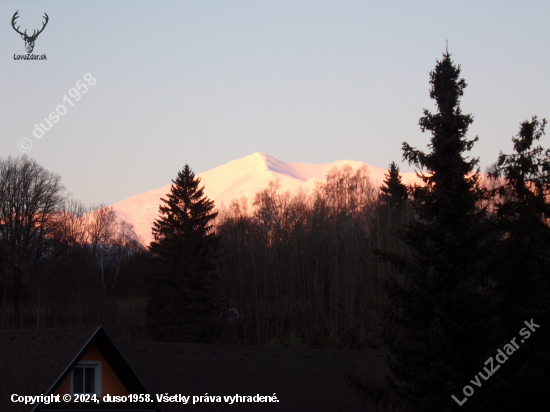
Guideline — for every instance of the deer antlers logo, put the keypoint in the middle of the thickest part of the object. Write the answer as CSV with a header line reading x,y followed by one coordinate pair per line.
x,y
29,40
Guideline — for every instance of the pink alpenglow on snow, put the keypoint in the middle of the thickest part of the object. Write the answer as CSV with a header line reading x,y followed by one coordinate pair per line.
x,y
238,178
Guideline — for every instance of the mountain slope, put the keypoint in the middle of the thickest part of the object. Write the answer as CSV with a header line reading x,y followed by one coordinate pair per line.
x,y
242,177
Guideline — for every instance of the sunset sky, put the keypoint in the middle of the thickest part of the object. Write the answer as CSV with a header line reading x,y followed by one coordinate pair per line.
x,y
206,82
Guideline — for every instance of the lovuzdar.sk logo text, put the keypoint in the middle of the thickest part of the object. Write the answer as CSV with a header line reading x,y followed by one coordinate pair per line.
x,y
29,40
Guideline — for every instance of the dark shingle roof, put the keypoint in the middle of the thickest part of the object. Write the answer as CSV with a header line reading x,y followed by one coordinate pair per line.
x,y
34,362
31,360
303,379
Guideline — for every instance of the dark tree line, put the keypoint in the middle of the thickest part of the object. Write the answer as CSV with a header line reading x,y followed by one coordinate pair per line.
x,y
61,263
296,268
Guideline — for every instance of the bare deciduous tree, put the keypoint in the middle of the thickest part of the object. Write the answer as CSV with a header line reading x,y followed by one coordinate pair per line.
x,y
297,268
101,232
29,198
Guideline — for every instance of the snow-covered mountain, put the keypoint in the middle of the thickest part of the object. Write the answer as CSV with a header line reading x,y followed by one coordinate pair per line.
x,y
242,177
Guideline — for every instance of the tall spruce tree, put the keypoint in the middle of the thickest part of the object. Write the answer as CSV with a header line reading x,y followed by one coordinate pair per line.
x,y
443,318
183,298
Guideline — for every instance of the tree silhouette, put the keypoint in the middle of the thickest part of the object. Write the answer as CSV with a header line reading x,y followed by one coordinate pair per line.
x,y
182,301
29,198
440,311
522,267
394,192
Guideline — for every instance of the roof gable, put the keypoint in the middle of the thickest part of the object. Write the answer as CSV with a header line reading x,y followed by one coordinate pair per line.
x,y
32,359
36,361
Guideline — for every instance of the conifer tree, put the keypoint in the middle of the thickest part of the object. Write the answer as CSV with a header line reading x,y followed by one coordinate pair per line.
x,y
394,192
522,268
392,214
391,217
444,322
183,298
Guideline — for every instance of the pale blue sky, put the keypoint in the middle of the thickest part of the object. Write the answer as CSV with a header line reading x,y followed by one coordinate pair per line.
x,y
206,82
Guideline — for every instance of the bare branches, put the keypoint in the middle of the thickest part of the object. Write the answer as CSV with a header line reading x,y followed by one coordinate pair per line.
x,y
295,268
29,198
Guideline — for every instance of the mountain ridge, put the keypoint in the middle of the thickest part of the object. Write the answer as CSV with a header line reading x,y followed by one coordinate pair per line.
x,y
238,178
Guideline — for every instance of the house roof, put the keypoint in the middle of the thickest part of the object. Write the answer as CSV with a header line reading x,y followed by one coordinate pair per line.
x,y
302,379
31,360
35,362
